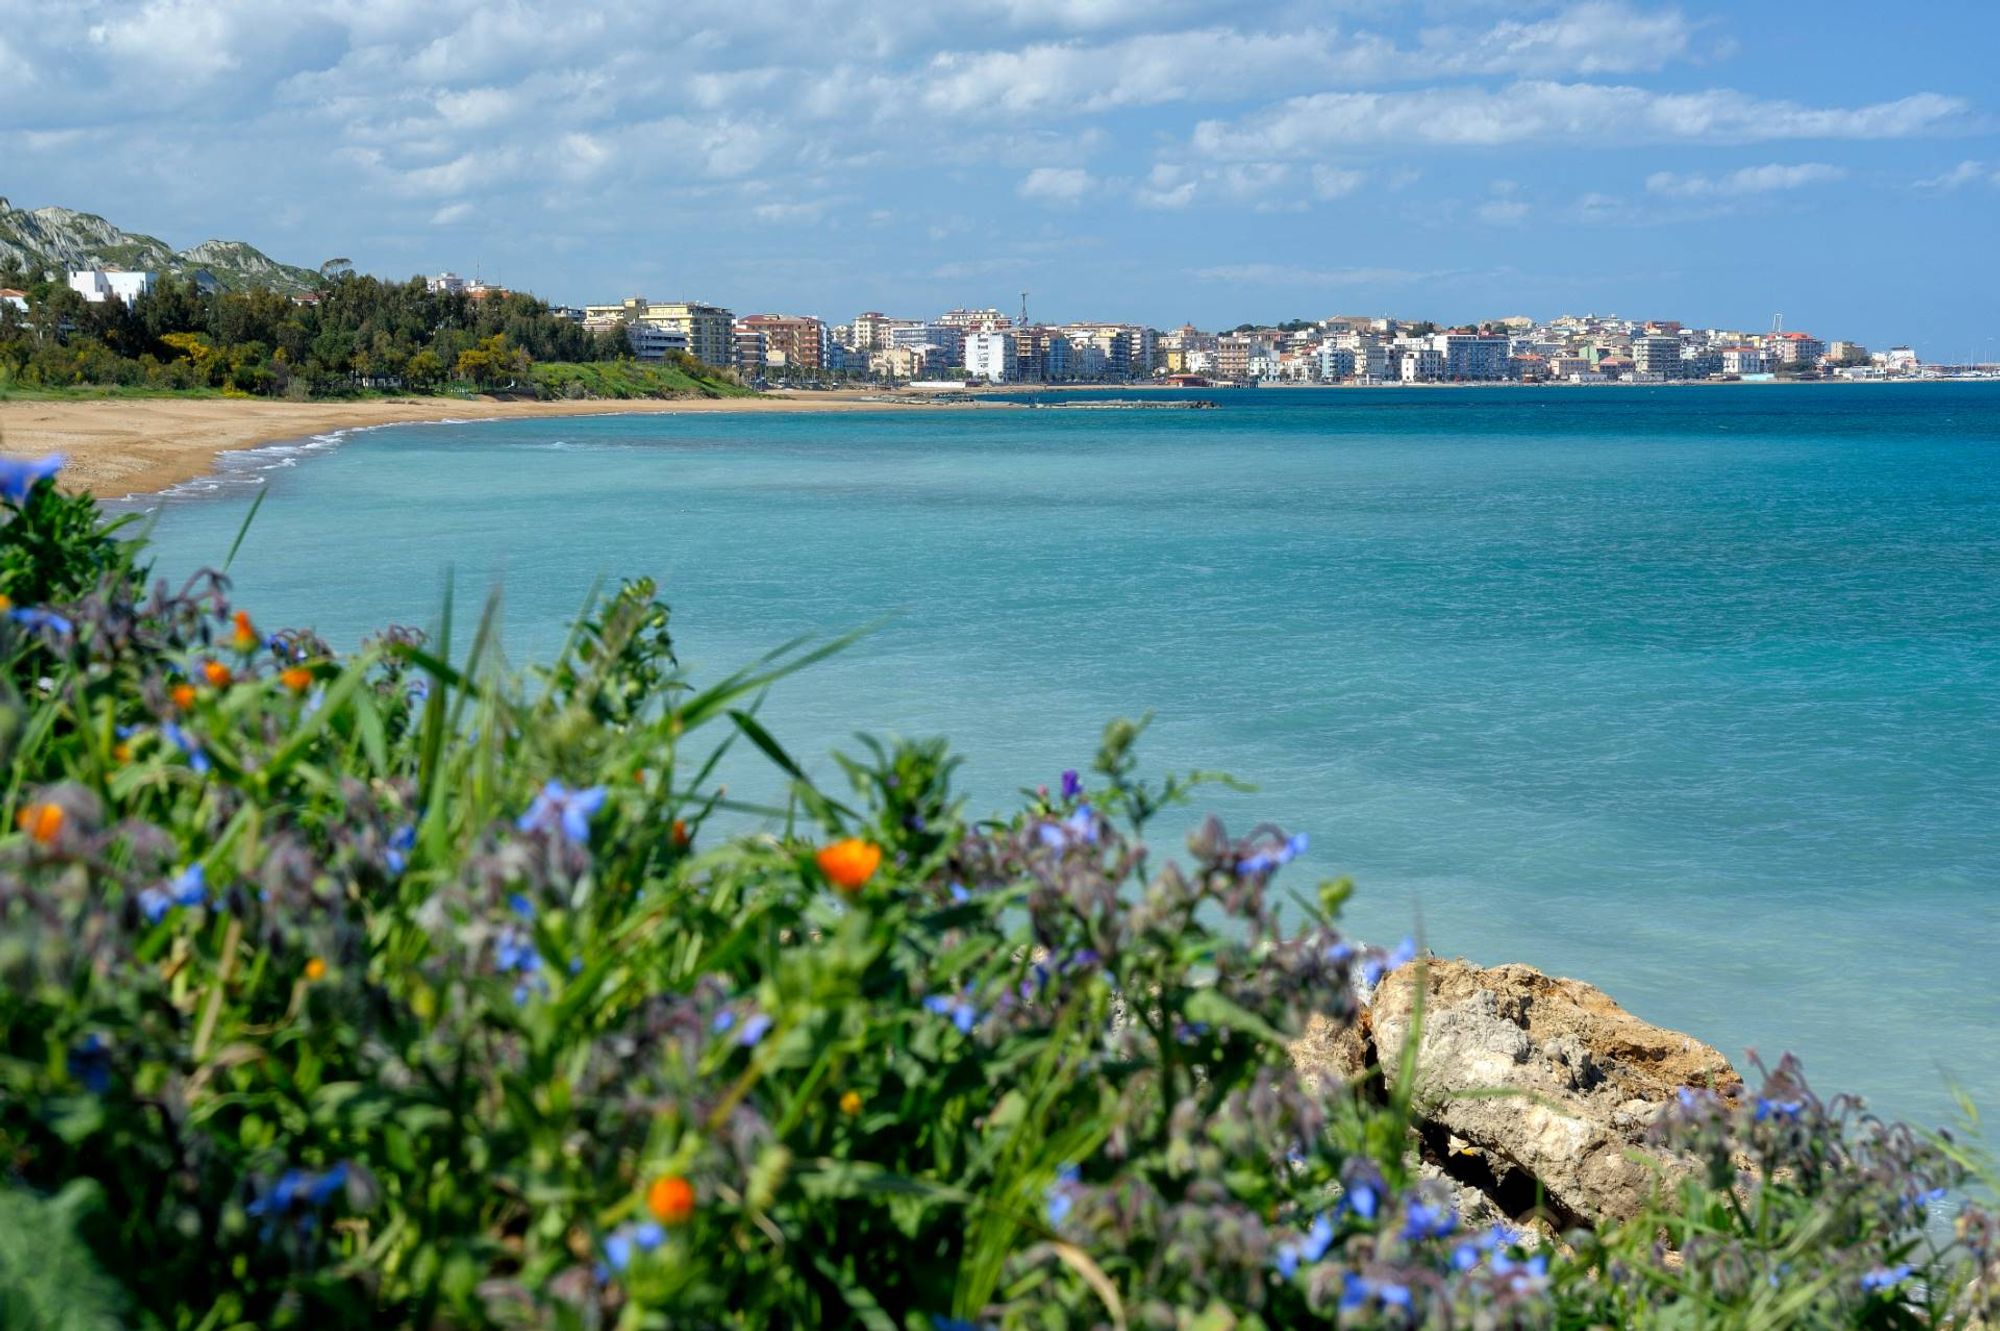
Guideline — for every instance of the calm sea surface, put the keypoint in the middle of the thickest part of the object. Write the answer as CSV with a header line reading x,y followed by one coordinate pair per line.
x,y
1693,693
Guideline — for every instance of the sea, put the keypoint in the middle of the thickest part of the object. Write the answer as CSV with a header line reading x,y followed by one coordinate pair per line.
x,y
1690,692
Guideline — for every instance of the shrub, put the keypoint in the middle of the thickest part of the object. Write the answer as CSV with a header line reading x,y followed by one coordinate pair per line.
x,y
395,990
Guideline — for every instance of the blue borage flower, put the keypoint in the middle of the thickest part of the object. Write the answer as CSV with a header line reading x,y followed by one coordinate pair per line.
x,y
1423,1220
298,1195
1061,1198
1362,1189
1381,964
188,745
621,1243
1079,829
1885,1278
90,1063
188,888
514,954
557,808
958,1007
1072,785
1471,1251
1304,1249
1786,1111
1358,1292
1529,1276
19,476
1266,861
397,856
31,617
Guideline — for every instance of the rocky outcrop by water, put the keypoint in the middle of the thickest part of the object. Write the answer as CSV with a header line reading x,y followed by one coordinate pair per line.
x,y
1533,1094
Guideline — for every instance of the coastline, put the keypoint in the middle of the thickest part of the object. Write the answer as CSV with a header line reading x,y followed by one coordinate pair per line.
x,y
125,447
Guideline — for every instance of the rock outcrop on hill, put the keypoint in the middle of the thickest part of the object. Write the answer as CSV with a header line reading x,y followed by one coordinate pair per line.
x,y
1533,1092
65,238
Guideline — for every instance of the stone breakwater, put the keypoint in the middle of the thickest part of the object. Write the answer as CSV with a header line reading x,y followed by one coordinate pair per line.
x,y
1533,1095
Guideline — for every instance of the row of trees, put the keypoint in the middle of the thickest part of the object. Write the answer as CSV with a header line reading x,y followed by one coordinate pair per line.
x,y
357,333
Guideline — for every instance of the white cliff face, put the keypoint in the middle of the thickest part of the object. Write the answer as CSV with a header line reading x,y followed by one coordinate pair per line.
x,y
65,238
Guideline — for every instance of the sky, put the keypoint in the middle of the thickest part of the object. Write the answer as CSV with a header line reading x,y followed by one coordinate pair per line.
x,y
1158,161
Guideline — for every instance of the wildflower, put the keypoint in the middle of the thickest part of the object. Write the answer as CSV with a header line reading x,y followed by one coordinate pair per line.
x,y
671,1199
315,970
1305,1249
959,895
188,745
1059,1200
42,822
722,1023
1885,1278
618,1251
678,834
90,1063
245,637
850,1103
183,696
1526,1277
1373,969
1425,1221
1362,1198
848,864
1072,785
1080,828
514,952
519,904
19,477
1786,1110
647,1236
753,1030
1264,861
396,857
296,678
121,752
960,1009
1469,1253
298,1192
31,617
558,808
1358,1291
188,888
217,674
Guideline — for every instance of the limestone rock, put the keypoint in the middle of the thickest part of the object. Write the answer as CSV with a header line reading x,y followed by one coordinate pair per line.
x,y
1524,1079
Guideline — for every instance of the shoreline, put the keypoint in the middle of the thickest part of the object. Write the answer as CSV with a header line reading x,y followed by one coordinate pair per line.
x,y
124,448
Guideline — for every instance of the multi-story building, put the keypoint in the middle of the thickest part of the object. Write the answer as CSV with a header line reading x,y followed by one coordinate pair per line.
x,y
1742,360
1657,353
903,362
752,353
990,354
1701,363
1334,363
445,284
710,329
1232,355
796,341
650,342
973,320
1796,349
870,330
1471,356
1847,353
1371,361
98,285
1420,365
946,342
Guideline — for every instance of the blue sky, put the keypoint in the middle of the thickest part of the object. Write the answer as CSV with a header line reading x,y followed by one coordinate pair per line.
x,y
1155,160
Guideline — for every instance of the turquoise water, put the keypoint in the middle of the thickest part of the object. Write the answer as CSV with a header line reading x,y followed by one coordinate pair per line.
x,y
1693,693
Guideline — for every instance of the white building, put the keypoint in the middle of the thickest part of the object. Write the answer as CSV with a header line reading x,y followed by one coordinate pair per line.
x,y
17,299
1659,355
1420,365
654,343
98,285
1743,360
445,284
989,355
1473,356
1335,363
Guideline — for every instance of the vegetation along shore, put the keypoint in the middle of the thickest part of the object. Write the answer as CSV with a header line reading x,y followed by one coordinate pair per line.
x,y
401,990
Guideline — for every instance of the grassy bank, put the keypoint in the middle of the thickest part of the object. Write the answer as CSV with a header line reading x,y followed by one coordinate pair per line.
x,y
402,990
632,379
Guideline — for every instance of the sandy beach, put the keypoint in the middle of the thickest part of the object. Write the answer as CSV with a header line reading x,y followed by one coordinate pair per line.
x,y
124,446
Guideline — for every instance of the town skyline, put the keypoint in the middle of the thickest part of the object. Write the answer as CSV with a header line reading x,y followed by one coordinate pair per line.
x,y
1173,160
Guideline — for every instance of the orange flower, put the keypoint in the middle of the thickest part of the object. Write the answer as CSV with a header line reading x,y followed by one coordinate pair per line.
x,y
6,603
245,636
682,839
121,752
183,695
216,673
850,1103
671,1200
315,969
849,864
297,678
42,822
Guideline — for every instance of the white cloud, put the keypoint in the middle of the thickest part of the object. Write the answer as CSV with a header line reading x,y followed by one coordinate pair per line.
x,y
456,212
1748,180
1335,182
1057,184
1503,212
1277,274
796,214
1965,173
1584,114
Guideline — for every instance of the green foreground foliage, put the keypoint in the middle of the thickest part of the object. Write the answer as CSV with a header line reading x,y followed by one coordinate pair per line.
x,y
401,990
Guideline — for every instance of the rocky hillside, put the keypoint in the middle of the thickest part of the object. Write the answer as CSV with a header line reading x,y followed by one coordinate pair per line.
x,y
63,238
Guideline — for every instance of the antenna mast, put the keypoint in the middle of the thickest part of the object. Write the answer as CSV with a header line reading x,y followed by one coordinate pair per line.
x,y
1024,310
1777,323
